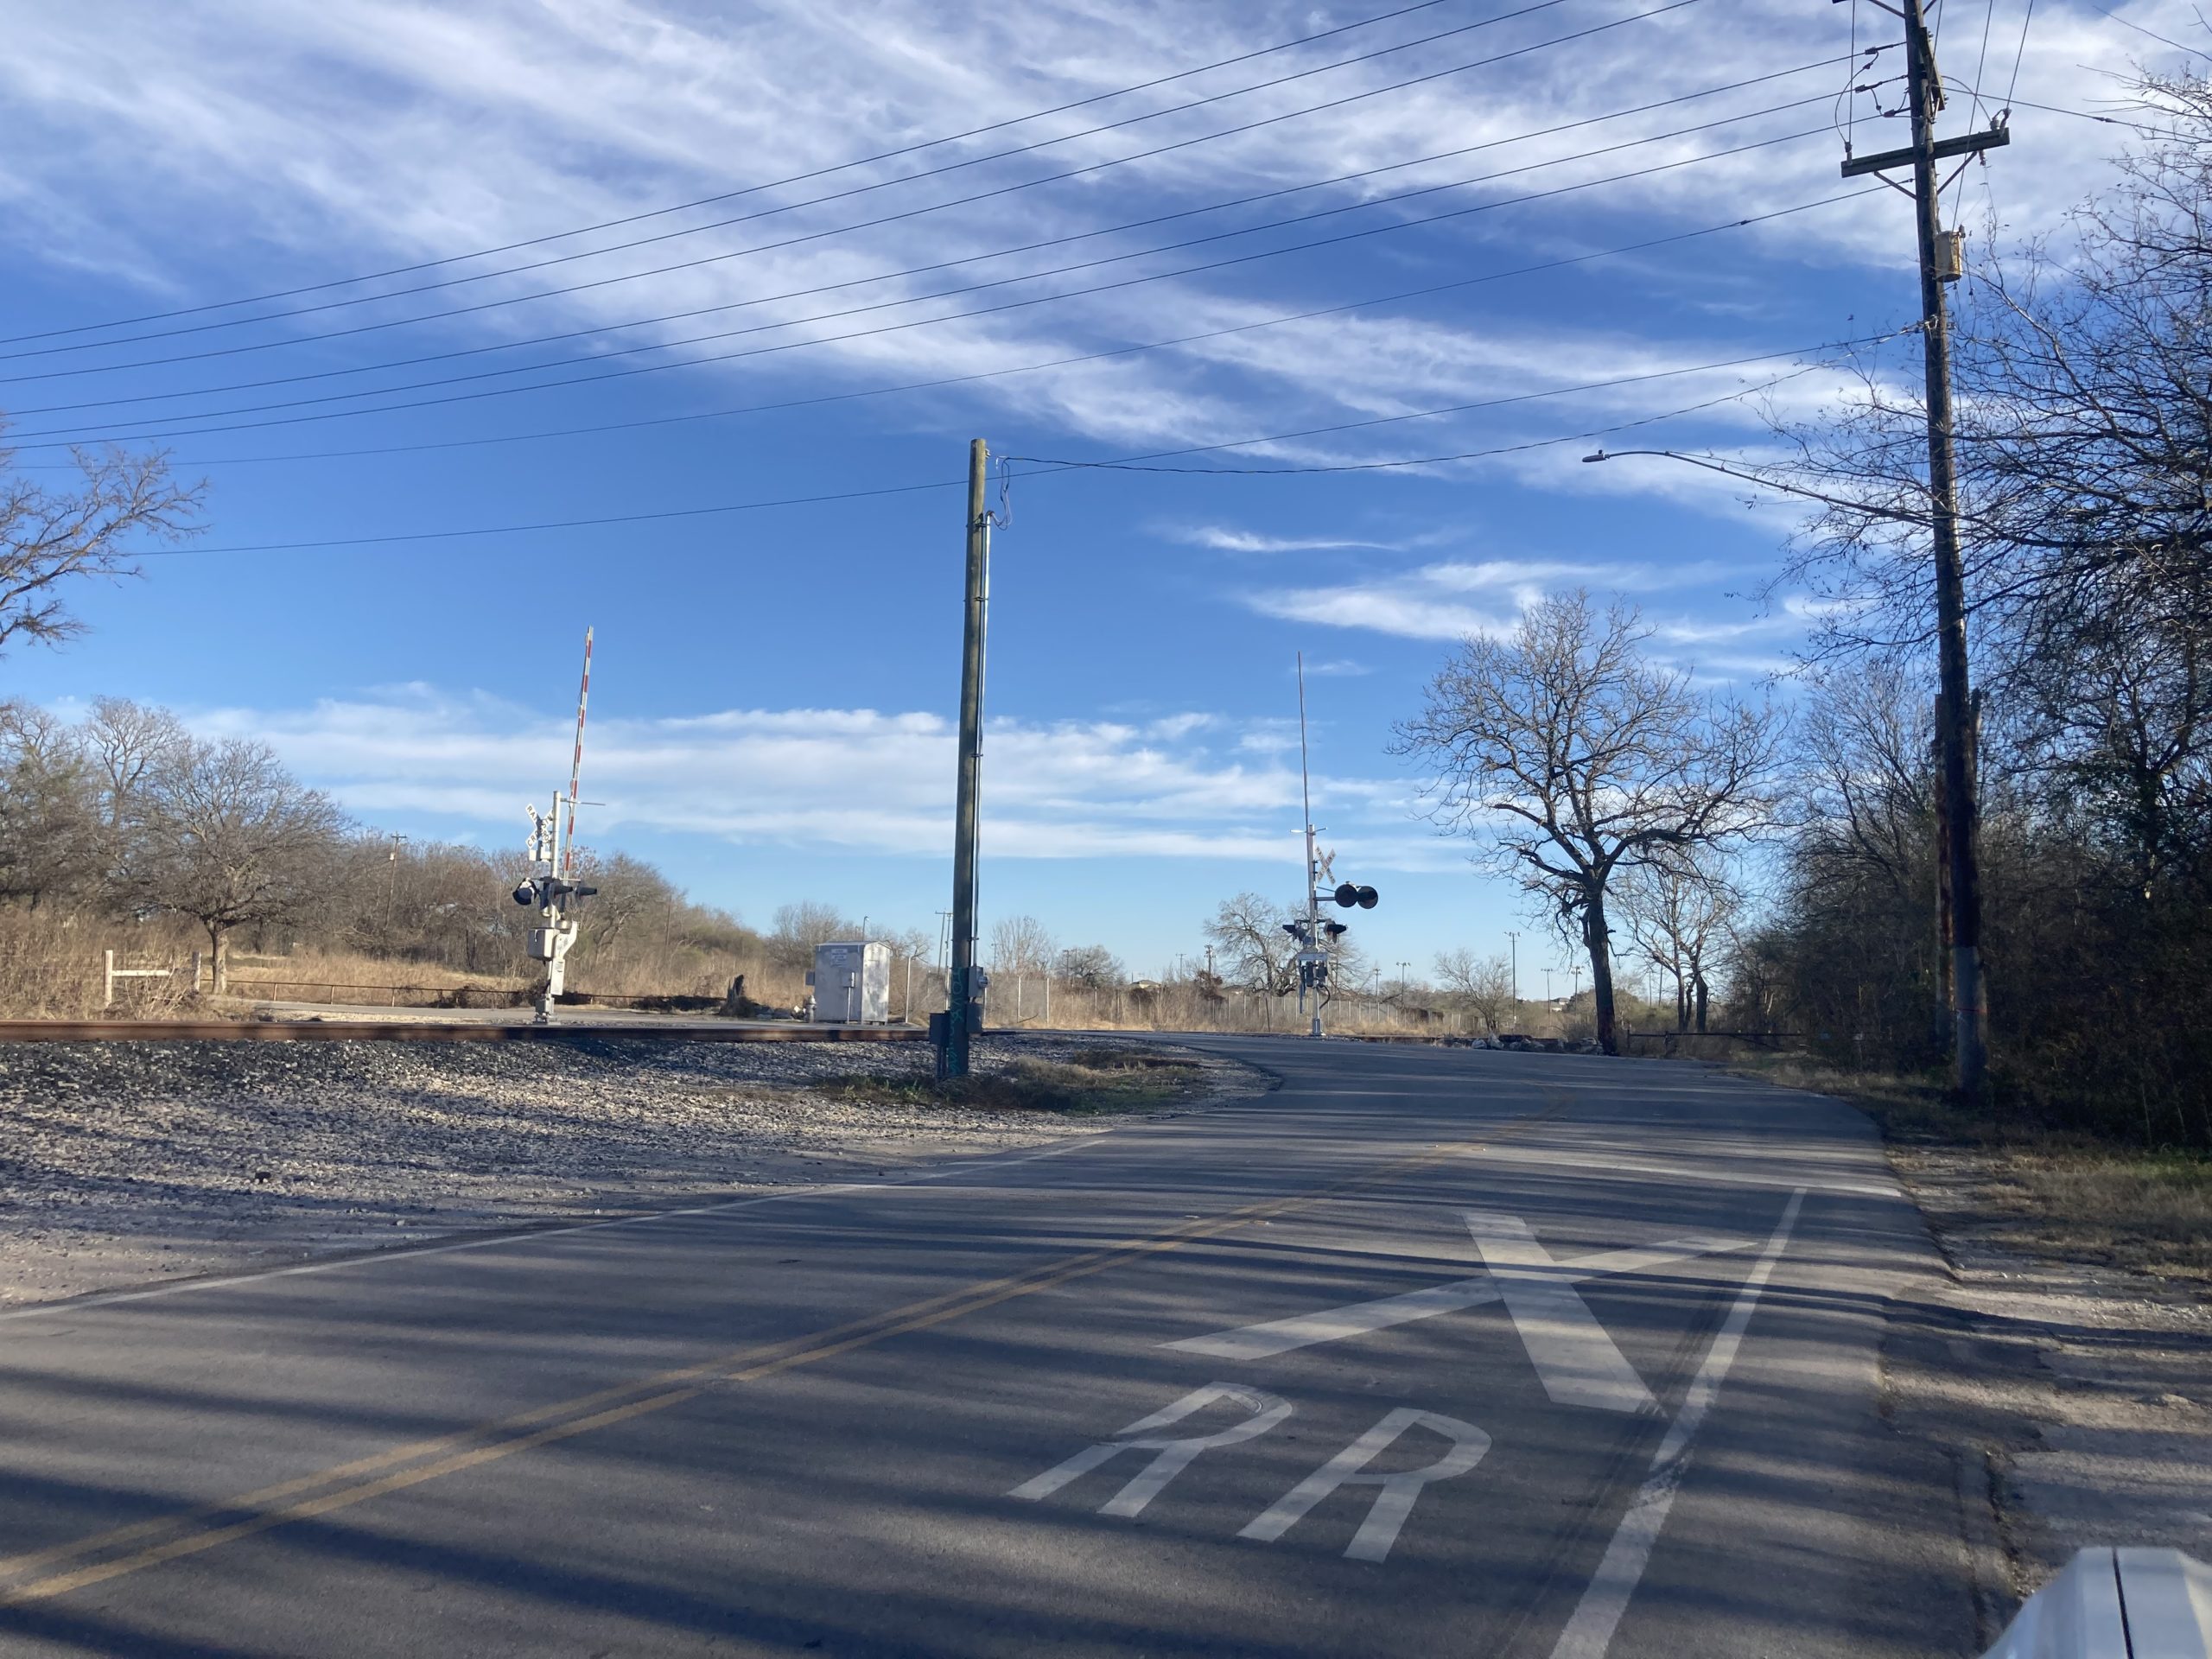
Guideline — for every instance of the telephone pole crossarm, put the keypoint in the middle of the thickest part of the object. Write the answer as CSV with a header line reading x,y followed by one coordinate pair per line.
x,y
1971,143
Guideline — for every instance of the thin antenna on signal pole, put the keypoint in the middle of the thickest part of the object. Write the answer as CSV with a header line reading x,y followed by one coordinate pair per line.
x,y
577,765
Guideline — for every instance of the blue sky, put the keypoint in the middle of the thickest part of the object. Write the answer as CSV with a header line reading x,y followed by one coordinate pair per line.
x,y
773,687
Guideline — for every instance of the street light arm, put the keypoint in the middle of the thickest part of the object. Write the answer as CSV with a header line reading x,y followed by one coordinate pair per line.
x,y
1764,483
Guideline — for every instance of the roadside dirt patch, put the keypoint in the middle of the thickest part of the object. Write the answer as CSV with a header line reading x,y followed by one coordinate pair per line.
x,y
122,1163
2068,1363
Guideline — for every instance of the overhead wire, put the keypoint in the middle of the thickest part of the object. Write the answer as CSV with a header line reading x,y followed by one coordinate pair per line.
x,y
812,201
2027,17
912,270
1139,463
1105,354
1123,256
731,195
1411,461
1051,464
1981,66
58,438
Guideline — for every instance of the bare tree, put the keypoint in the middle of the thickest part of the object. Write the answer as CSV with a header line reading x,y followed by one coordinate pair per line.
x,y
127,742
1250,946
800,927
223,834
49,840
1020,944
1090,968
1679,913
1571,755
1482,985
51,539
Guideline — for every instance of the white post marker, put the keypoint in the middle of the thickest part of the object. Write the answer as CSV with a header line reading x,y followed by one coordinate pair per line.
x,y
1174,1456
1395,1501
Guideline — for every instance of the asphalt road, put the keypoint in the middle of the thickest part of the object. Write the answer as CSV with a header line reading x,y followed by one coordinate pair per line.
x,y
1426,1352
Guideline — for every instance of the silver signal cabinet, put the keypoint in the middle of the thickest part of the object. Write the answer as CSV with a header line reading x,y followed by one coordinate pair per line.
x,y
852,984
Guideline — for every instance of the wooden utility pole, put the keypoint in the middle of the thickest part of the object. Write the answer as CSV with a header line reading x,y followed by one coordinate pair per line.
x,y
952,1051
1940,263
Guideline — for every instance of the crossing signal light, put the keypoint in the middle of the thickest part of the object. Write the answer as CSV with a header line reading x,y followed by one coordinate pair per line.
x,y
1334,928
1350,894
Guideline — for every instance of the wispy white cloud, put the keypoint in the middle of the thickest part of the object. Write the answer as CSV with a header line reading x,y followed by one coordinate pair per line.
x,y
858,780
1223,538
360,133
1433,601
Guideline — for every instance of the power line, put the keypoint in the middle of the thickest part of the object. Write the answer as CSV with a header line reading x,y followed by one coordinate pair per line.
x,y
728,195
1131,463
939,294
1141,464
549,525
2027,17
889,275
857,190
1027,368
60,437
1136,463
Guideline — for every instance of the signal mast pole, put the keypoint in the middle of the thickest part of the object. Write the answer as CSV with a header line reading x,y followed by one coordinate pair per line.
x,y
1942,260
551,892
577,765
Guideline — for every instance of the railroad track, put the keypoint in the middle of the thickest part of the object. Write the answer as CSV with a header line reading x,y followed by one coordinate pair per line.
x,y
426,1030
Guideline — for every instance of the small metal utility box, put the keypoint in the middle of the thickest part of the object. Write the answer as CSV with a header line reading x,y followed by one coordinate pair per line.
x,y
852,984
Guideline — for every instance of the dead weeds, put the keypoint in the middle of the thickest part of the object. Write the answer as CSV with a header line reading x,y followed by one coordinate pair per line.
x,y
2054,1193
1091,1082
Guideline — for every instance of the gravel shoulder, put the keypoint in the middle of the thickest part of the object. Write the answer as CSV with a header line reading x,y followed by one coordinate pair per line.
x,y
124,1163
2064,1358
2078,1392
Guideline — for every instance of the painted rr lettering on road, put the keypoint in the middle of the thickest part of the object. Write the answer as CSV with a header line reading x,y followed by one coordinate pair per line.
x,y
1173,1456
1395,1501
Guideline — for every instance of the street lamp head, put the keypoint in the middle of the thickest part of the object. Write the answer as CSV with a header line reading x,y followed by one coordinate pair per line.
x,y
1600,456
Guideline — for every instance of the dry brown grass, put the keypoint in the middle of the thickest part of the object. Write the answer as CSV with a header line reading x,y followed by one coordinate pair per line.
x,y
51,968
2055,1193
2152,1212
1091,1083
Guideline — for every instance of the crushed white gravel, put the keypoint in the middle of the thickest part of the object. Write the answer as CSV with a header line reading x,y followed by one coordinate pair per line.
x,y
124,1162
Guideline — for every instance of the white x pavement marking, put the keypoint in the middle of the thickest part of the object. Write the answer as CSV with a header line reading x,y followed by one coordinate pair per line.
x,y
1577,1361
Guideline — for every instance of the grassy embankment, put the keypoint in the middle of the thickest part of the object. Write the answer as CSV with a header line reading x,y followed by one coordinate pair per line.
x,y
1089,1083
2047,1191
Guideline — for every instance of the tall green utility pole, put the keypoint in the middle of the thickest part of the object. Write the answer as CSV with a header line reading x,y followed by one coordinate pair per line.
x,y
1940,262
961,991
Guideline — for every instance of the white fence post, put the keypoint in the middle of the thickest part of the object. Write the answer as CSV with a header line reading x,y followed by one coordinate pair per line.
x,y
107,1000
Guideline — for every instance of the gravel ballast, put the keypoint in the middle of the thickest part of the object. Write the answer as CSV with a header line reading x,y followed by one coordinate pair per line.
x,y
121,1163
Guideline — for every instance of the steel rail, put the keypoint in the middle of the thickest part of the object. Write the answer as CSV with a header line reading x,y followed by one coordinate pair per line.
x,y
424,1031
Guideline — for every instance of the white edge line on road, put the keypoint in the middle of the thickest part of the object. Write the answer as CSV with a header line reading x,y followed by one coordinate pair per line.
x,y
1590,1631
517,1235
1605,1161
